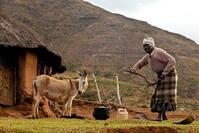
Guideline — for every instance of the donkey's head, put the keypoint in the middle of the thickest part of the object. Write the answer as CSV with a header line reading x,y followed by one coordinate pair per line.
x,y
83,82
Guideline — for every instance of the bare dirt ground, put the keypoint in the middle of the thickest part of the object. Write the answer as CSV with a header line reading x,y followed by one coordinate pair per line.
x,y
85,109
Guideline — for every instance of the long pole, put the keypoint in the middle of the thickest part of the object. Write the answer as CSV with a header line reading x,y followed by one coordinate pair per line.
x,y
98,93
118,91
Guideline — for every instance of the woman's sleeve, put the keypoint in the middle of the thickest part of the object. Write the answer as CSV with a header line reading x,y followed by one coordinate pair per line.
x,y
142,62
168,59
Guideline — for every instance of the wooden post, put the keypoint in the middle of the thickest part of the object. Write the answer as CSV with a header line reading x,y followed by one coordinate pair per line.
x,y
118,91
98,93
122,113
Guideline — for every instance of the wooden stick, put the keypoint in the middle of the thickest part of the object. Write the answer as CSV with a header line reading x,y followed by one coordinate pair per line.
x,y
146,80
98,93
118,91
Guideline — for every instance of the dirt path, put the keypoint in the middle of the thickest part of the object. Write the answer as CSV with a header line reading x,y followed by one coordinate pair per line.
x,y
85,109
144,130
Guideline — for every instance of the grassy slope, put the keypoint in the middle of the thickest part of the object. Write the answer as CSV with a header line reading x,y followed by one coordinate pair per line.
x,y
75,125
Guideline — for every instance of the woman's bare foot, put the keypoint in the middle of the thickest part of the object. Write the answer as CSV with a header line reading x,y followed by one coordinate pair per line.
x,y
160,117
165,116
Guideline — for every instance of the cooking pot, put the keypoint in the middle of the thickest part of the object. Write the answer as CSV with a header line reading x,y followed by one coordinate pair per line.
x,y
101,113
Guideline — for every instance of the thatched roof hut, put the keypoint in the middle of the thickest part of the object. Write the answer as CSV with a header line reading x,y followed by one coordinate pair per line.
x,y
23,55
17,35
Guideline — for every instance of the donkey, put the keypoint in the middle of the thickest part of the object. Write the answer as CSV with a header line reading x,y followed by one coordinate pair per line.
x,y
58,91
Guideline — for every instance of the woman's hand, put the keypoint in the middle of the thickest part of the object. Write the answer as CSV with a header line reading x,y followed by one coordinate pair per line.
x,y
133,70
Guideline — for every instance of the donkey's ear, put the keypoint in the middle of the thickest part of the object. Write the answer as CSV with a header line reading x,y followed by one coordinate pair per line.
x,y
80,74
85,73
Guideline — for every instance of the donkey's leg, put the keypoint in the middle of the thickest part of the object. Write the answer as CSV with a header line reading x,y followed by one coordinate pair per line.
x,y
37,110
36,106
70,105
39,98
65,107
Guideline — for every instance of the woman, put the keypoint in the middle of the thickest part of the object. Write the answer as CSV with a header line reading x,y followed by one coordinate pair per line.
x,y
163,64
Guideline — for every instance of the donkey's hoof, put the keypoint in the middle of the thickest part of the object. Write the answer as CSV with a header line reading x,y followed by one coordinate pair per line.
x,y
64,116
29,117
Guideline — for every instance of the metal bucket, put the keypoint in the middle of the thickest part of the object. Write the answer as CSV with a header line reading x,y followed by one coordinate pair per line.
x,y
101,113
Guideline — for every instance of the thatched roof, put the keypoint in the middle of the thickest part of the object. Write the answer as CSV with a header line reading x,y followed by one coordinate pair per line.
x,y
15,34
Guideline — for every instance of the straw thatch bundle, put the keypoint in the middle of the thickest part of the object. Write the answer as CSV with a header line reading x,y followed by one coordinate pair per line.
x,y
14,33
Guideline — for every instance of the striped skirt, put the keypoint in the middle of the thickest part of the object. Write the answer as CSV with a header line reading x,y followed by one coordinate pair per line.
x,y
165,95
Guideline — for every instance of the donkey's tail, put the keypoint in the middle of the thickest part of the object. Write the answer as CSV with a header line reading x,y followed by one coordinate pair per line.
x,y
35,89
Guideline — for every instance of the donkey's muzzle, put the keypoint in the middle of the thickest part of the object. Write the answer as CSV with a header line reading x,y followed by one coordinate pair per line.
x,y
79,92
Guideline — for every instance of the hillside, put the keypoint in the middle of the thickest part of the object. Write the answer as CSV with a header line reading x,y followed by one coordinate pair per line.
x,y
92,38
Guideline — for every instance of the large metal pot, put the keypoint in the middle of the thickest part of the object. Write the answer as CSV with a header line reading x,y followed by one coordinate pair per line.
x,y
101,113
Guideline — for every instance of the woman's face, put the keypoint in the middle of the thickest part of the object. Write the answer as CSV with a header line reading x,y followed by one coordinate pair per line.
x,y
148,48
